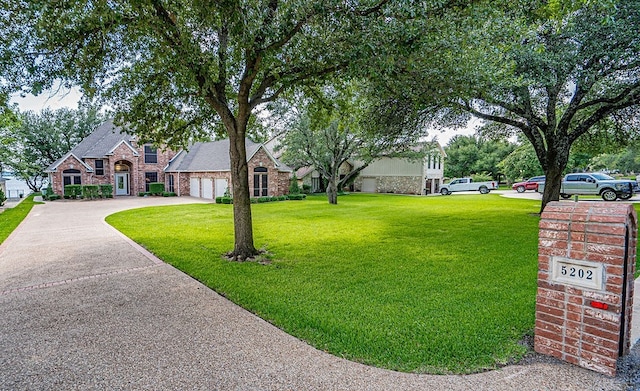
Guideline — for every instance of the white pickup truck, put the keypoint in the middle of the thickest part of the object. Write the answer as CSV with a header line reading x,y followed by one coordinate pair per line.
x,y
467,184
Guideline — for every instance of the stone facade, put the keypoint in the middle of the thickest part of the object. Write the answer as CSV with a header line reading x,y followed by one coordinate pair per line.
x,y
392,184
586,263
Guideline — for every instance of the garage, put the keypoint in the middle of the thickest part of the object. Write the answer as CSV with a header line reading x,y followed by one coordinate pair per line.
x,y
207,188
194,187
369,185
221,187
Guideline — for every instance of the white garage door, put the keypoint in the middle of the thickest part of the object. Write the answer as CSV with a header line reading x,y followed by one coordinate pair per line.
x,y
194,187
221,187
207,188
369,185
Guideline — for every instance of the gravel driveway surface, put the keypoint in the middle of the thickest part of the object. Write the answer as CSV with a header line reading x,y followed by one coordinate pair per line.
x,y
84,308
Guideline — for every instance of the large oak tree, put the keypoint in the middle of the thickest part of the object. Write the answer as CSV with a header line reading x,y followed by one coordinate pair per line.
x,y
172,69
552,74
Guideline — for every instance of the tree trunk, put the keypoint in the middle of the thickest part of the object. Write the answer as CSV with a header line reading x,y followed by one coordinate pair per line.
x,y
332,191
553,182
556,163
242,222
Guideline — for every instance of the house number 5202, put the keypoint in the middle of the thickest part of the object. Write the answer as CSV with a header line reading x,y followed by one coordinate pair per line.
x,y
581,273
578,272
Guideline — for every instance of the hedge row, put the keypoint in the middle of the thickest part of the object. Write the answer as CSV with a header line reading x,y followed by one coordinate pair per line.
x,y
260,200
81,191
162,193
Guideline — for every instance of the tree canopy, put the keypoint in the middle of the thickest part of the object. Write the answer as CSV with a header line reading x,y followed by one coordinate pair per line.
x,y
39,139
468,155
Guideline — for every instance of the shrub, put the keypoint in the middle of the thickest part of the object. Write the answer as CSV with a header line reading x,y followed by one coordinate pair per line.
x,y
306,189
263,199
156,188
224,200
53,197
168,194
72,191
253,200
3,197
46,193
282,198
90,191
144,194
106,191
297,197
293,186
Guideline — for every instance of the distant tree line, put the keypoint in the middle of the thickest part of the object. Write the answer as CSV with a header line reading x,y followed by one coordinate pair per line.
x,y
512,161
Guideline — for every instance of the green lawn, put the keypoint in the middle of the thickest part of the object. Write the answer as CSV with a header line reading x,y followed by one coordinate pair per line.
x,y
421,284
12,217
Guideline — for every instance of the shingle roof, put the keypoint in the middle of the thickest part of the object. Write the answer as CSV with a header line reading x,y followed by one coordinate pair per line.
x,y
102,141
98,144
211,156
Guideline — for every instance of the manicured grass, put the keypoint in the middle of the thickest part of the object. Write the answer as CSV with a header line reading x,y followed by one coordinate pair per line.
x,y
12,217
421,284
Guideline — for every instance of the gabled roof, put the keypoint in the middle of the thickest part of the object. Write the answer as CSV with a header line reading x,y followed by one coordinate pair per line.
x,y
103,141
214,156
54,166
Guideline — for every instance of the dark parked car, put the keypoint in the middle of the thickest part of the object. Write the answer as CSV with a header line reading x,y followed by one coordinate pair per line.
x,y
529,184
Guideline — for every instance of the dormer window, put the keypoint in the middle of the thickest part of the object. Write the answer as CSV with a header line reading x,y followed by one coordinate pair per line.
x,y
150,154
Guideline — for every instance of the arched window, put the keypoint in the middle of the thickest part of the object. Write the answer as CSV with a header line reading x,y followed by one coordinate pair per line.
x,y
260,182
121,166
71,177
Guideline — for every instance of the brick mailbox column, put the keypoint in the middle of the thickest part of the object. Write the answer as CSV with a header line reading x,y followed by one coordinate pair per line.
x,y
586,261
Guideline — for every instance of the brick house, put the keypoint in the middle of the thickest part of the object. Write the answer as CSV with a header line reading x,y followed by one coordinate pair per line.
x,y
205,171
110,156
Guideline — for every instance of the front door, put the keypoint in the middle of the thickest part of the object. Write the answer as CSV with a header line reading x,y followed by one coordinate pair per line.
x,y
122,184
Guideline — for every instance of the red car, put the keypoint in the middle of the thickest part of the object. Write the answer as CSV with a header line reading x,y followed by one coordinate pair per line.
x,y
529,184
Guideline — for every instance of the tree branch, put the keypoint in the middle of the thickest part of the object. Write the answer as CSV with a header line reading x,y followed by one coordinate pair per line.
x,y
600,114
467,107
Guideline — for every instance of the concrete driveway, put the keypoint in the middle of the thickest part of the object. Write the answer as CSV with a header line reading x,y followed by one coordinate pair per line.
x,y
84,308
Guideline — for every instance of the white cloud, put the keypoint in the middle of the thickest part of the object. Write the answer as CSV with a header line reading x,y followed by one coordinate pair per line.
x,y
52,99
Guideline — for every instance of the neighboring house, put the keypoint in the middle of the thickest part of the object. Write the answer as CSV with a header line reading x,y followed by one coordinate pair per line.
x,y
388,175
404,176
309,176
108,156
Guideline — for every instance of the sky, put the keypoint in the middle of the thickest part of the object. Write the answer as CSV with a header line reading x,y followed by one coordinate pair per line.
x,y
67,98
70,98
